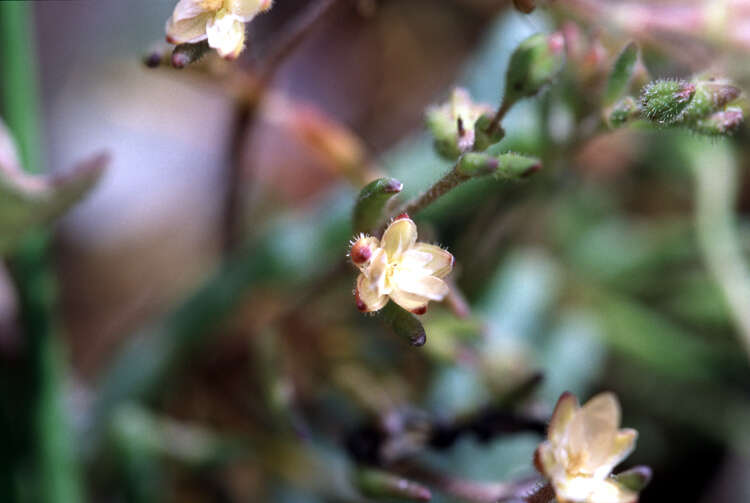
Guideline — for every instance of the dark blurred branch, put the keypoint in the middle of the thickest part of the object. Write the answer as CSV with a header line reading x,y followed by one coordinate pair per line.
x,y
247,108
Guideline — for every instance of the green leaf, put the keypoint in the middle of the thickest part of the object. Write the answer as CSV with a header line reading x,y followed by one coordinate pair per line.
x,y
622,72
29,200
368,210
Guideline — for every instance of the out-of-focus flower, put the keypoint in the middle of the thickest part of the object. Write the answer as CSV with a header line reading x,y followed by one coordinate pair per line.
x,y
452,123
399,268
583,445
222,22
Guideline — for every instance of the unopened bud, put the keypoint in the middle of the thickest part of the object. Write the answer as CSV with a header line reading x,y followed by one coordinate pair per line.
x,y
525,6
484,133
710,96
623,111
403,324
361,250
186,54
505,165
663,100
533,66
452,124
725,122
379,484
635,479
371,202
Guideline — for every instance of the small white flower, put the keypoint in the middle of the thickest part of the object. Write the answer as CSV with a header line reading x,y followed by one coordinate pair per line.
x,y
222,22
584,445
399,268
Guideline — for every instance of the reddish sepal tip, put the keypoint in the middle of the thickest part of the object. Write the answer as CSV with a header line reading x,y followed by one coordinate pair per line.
x,y
420,310
360,253
533,169
361,306
401,216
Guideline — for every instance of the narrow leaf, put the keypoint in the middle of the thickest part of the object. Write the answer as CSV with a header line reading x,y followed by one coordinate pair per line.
x,y
622,73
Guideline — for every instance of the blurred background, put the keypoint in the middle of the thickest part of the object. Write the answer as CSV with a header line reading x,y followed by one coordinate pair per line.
x,y
211,345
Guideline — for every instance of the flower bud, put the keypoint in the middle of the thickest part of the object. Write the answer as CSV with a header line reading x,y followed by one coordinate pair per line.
x,y
484,135
725,122
372,199
662,101
507,165
623,111
361,250
452,124
710,96
533,66
186,54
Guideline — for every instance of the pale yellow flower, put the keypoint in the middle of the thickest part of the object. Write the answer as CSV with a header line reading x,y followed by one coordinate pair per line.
x,y
222,22
584,445
399,268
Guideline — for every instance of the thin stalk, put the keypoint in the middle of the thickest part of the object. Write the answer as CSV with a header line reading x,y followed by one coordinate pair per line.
x,y
50,439
448,182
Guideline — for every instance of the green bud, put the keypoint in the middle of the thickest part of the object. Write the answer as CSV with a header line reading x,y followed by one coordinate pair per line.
x,y
533,66
621,75
710,96
186,54
368,209
721,123
452,124
635,479
623,111
379,484
474,164
507,165
483,138
403,324
662,101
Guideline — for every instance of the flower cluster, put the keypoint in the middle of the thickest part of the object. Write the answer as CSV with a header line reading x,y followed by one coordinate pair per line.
x,y
583,445
221,22
399,268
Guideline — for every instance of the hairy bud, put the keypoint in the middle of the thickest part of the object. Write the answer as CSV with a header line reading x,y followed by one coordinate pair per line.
x,y
622,112
662,101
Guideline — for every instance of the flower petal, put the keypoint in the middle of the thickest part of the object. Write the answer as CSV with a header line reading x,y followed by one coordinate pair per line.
x,y
423,285
248,9
409,301
590,490
399,237
226,34
189,30
367,294
623,444
566,408
593,431
440,261
187,9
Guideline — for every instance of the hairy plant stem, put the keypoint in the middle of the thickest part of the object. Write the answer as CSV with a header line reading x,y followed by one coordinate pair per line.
x,y
37,385
499,116
448,182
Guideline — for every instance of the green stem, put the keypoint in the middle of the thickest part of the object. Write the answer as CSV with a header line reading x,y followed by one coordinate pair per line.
x,y
43,378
